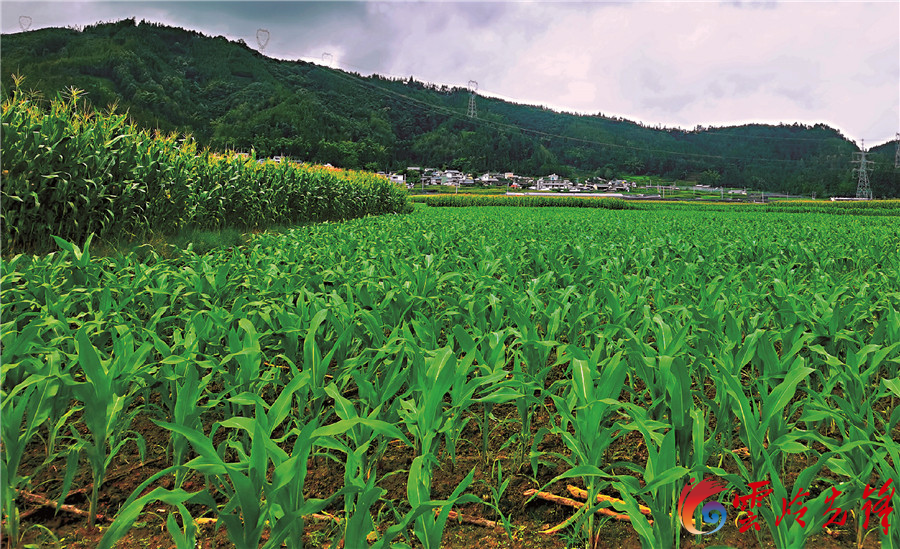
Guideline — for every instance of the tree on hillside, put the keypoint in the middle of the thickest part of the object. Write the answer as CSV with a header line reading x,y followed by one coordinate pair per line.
x,y
710,177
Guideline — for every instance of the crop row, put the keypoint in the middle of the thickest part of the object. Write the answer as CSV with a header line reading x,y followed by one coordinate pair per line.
x,y
533,201
875,207
730,344
70,171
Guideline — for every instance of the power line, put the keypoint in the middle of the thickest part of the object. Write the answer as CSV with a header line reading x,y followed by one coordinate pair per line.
x,y
708,132
359,80
773,138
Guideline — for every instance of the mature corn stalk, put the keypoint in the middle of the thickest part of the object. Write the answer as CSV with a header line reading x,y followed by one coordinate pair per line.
x,y
71,172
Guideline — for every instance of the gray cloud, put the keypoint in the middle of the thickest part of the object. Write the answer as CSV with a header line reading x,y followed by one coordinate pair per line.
x,y
673,63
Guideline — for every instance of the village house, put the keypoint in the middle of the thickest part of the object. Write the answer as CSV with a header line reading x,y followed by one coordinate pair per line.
x,y
488,179
552,183
452,177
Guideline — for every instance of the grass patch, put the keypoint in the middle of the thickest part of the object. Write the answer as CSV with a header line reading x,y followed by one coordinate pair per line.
x,y
200,241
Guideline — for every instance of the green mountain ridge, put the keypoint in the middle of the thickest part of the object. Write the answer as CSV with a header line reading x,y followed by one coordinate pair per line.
x,y
227,95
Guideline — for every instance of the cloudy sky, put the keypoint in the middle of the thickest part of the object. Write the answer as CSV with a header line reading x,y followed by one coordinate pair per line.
x,y
669,63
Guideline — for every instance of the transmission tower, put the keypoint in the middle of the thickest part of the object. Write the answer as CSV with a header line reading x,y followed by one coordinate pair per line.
x,y
262,38
473,86
863,190
897,154
24,22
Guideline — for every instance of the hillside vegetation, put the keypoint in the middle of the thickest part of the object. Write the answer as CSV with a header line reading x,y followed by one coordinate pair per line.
x,y
227,95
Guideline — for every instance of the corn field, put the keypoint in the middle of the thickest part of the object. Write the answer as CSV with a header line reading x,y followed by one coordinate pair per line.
x,y
355,382
70,171
534,201
874,207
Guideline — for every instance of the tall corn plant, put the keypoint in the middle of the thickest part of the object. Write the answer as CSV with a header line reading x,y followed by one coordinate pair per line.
x,y
70,172
63,172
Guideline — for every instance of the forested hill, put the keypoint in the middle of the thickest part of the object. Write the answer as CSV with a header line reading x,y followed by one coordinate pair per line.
x,y
228,95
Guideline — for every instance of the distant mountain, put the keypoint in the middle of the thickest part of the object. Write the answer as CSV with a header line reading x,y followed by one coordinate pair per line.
x,y
228,95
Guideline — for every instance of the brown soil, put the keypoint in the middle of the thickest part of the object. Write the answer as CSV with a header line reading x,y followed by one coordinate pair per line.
x,y
326,476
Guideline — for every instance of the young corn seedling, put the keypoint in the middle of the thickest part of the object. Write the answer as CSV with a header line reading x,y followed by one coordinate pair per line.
x,y
379,375
497,493
184,537
466,383
491,361
354,435
423,413
285,502
188,412
429,528
530,369
783,515
25,362
314,365
181,390
253,501
858,451
767,416
425,418
244,362
105,395
20,347
888,523
662,484
24,410
587,426
672,366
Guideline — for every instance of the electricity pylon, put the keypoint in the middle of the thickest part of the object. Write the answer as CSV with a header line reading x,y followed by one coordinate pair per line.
x,y
473,85
262,38
863,190
897,154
